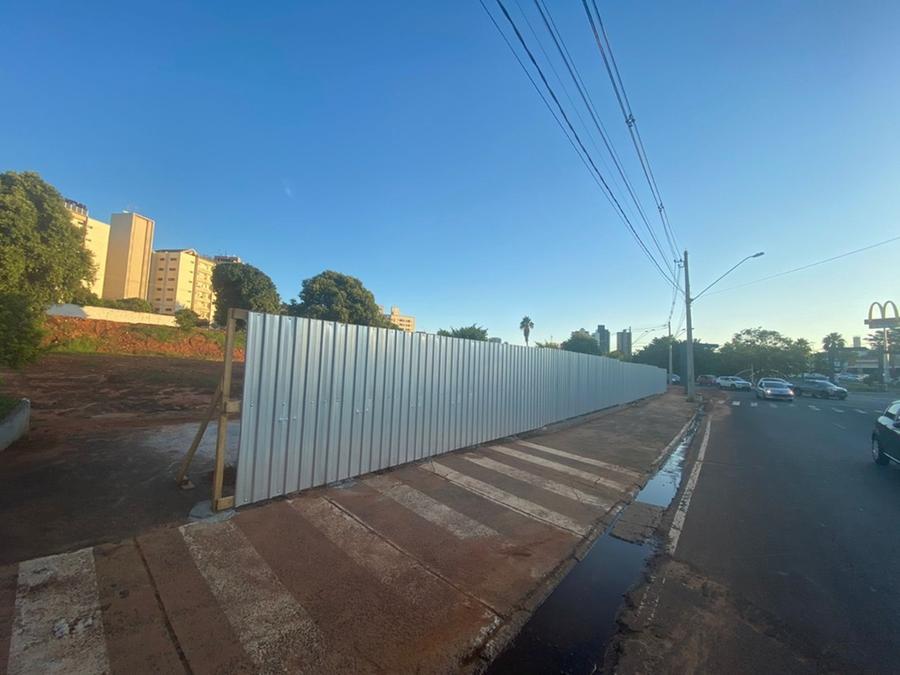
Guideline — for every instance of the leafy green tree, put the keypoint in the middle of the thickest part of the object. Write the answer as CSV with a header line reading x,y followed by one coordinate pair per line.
x,y
582,342
243,286
332,296
765,352
20,329
187,318
525,325
548,344
473,332
42,252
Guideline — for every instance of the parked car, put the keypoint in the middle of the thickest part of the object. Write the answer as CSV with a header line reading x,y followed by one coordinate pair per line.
x,y
706,380
849,377
886,436
676,379
819,389
733,382
774,389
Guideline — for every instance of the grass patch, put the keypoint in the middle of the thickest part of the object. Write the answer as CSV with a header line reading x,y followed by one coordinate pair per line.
x,y
83,344
218,336
158,333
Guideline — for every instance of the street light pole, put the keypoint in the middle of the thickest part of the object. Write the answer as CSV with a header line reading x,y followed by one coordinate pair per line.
x,y
688,301
670,351
690,330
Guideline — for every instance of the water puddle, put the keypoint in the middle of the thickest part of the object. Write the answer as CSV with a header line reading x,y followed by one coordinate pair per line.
x,y
570,631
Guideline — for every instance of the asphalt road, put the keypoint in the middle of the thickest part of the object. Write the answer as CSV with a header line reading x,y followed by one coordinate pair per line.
x,y
800,529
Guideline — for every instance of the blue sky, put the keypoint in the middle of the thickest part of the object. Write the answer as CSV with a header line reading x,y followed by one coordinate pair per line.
x,y
400,142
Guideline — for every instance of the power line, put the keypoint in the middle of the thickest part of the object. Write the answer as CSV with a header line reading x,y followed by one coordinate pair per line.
x,y
596,172
559,42
615,79
806,267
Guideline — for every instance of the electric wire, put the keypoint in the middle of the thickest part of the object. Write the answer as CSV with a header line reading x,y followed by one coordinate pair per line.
x,y
807,266
615,78
598,176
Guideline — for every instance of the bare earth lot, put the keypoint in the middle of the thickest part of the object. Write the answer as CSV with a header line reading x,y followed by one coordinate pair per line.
x,y
106,436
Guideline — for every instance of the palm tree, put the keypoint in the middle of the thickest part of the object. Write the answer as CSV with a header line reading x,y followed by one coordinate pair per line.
x,y
526,324
831,343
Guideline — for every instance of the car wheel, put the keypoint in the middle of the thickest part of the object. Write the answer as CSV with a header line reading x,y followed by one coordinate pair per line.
x,y
880,458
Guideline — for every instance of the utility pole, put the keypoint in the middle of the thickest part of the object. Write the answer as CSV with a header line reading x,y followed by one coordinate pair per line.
x,y
689,348
670,352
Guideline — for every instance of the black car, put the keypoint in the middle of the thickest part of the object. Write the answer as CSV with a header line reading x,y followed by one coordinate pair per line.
x,y
886,437
819,389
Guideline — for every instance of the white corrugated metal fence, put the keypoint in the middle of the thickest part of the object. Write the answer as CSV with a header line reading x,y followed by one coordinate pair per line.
x,y
324,401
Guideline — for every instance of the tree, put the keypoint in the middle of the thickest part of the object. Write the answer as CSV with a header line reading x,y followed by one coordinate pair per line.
x,y
581,341
186,318
525,325
549,344
832,343
244,287
876,344
765,352
42,252
130,304
332,296
473,332
20,329
42,261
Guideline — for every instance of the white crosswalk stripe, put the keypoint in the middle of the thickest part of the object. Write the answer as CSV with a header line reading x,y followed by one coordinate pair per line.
x,y
861,412
772,405
584,460
506,499
753,404
838,410
812,407
562,468
735,403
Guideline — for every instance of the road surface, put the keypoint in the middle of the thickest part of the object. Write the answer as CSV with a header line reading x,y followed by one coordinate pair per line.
x,y
787,561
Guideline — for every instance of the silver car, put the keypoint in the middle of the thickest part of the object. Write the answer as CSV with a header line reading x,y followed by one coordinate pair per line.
x,y
774,389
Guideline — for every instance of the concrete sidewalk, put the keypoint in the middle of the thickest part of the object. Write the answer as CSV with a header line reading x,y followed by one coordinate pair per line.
x,y
432,567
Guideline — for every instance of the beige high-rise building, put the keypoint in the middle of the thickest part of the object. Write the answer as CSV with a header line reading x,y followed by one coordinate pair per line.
x,y
182,279
407,323
96,241
128,257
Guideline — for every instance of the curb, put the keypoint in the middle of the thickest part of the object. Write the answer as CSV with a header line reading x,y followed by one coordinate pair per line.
x,y
16,424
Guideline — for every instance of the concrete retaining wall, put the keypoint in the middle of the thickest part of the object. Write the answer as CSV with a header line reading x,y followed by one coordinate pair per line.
x,y
15,425
109,314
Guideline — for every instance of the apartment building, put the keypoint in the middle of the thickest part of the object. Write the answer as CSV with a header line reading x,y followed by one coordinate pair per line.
x,y
96,241
407,323
623,342
128,256
182,279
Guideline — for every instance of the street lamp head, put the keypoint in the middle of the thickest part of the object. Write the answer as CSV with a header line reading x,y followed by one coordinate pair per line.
x,y
756,255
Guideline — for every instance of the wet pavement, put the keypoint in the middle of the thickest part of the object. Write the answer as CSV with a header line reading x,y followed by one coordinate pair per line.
x,y
433,566
570,631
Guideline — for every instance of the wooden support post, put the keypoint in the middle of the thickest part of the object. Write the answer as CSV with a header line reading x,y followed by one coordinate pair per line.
x,y
220,503
188,458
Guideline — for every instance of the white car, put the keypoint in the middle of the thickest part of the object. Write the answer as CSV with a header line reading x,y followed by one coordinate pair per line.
x,y
774,389
849,377
733,382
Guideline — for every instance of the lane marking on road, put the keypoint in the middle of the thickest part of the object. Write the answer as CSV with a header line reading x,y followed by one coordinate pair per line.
x,y
839,426
562,468
879,411
58,624
631,473
458,524
685,503
838,410
861,412
735,403
772,405
539,481
812,407
753,404
498,496
273,628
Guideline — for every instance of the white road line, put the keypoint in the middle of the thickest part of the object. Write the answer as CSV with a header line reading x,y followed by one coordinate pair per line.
x,y
270,624
494,494
772,405
812,407
586,460
539,481
879,411
838,410
58,625
753,404
458,524
735,403
861,412
562,468
685,503
839,426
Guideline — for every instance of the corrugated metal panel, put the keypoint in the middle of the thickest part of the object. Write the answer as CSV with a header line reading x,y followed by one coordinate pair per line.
x,y
325,401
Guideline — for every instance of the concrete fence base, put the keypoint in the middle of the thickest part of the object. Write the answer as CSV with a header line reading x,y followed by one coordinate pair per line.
x,y
15,424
